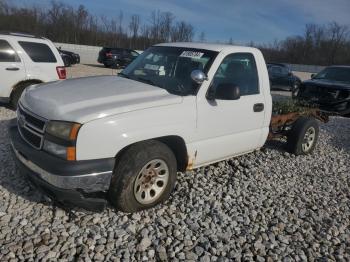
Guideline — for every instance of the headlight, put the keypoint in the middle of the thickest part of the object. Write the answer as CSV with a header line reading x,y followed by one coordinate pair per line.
x,y
61,139
65,130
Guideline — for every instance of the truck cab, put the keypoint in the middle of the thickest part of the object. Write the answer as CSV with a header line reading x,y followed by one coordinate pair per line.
x,y
176,107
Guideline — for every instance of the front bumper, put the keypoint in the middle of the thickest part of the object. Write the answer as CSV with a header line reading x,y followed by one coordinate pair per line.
x,y
78,183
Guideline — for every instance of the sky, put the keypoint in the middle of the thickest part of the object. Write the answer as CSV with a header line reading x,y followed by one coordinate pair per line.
x,y
260,21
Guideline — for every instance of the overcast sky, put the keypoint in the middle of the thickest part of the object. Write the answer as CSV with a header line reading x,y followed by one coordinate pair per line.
x,y
244,20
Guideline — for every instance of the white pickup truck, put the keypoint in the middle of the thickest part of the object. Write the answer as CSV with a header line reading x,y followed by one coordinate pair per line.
x,y
123,138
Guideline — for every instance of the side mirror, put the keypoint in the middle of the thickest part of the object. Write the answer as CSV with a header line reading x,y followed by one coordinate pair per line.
x,y
198,76
227,91
313,75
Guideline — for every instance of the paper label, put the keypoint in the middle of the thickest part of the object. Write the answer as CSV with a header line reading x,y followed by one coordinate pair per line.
x,y
191,54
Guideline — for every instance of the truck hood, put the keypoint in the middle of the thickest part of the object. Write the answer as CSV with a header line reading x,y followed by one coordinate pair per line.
x,y
84,99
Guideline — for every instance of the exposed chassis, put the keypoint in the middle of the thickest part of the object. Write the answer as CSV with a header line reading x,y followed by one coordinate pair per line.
x,y
281,124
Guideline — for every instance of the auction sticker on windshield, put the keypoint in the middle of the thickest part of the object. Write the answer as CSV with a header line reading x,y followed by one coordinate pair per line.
x,y
191,54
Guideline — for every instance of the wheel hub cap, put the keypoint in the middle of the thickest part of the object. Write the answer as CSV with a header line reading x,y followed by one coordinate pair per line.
x,y
309,139
151,181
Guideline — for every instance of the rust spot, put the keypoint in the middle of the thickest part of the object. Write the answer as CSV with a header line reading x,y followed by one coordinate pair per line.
x,y
191,161
279,122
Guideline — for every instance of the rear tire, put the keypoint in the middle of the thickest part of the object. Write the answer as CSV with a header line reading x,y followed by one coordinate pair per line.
x,y
303,136
144,176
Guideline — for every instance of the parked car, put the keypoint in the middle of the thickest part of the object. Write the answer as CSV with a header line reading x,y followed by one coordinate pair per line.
x,y
69,58
329,89
282,78
116,57
26,60
177,107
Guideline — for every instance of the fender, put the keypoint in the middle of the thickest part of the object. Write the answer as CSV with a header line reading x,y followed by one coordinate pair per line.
x,y
105,137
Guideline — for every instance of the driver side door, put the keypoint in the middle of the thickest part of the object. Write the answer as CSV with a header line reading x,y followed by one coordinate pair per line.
x,y
231,127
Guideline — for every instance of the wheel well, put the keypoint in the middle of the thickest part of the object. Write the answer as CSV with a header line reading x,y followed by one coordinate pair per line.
x,y
175,143
178,146
25,82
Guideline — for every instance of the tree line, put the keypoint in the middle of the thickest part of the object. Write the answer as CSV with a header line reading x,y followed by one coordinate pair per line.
x,y
319,45
63,23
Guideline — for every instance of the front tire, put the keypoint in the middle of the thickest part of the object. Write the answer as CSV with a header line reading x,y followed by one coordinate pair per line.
x,y
144,176
295,89
67,62
303,136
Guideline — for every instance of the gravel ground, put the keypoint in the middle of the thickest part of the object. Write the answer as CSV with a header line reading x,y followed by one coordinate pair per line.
x,y
265,206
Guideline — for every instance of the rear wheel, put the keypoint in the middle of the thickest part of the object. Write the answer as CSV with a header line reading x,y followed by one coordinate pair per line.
x,y
144,176
303,136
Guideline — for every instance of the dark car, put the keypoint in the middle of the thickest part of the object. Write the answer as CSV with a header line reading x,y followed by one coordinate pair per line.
x,y
116,57
69,58
282,78
329,89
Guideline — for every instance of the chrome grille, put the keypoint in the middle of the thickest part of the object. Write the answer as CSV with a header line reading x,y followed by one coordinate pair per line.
x,y
31,127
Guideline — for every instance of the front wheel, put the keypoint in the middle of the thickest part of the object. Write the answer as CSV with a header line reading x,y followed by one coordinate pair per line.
x,y
67,62
295,89
303,136
144,176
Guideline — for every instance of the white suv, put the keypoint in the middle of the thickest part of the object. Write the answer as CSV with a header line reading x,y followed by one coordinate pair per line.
x,y
26,60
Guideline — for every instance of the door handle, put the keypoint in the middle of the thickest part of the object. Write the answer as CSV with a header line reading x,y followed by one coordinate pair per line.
x,y
258,107
12,68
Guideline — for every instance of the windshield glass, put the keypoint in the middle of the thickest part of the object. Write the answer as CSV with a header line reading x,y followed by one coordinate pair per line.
x,y
341,74
170,68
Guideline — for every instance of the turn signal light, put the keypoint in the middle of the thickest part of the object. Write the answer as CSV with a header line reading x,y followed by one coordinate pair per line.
x,y
71,152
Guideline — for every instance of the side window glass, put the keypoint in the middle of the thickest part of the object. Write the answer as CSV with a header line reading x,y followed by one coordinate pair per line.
x,y
284,71
38,52
238,69
7,53
276,70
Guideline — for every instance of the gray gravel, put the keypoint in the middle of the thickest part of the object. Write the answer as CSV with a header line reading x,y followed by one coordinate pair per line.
x,y
265,206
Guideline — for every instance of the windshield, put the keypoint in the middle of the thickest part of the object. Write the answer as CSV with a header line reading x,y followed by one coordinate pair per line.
x,y
341,74
170,68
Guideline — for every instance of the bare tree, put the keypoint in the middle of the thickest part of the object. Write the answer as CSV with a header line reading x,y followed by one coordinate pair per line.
x,y
134,25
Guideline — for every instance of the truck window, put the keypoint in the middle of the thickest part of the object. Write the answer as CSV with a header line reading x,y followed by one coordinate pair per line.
x,y
170,68
38,52
7,54
239,69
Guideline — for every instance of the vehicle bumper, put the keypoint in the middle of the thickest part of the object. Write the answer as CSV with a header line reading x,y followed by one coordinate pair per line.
x,y
336,107
110,61
4,100
71,183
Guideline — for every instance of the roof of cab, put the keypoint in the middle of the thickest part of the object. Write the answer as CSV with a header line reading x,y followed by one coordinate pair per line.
x,y
207,46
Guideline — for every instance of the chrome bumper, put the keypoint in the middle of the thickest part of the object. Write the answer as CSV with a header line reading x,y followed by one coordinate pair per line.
x,y
93,182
